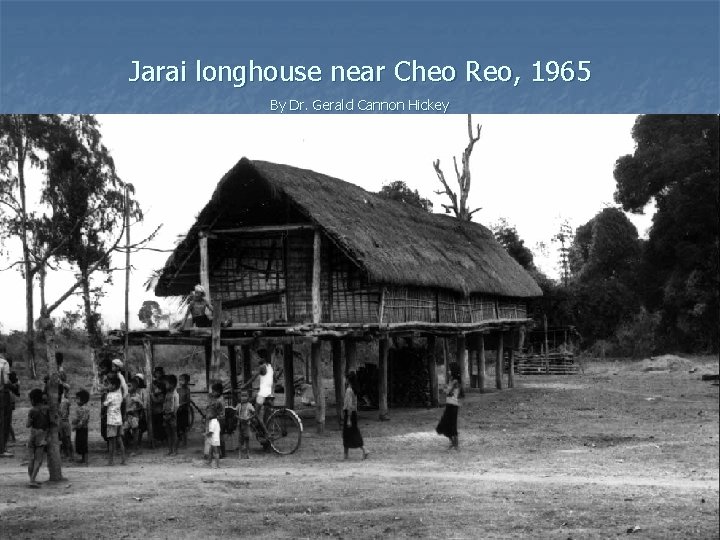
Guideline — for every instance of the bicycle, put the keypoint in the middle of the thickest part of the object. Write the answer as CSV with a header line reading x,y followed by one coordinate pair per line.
x,y
282,431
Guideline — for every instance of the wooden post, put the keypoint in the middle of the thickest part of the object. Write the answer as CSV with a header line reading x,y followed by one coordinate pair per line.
x,y
232,360
127,275
208,364
338,371
318,389
289,374
432,371
316,300
149,367
215,337
445,359
481,363
205,265
462,360
247,364
350,355
499,362
383,378
511,366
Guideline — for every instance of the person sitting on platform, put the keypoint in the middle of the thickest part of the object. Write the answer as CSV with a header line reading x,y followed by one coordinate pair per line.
x,y
199,308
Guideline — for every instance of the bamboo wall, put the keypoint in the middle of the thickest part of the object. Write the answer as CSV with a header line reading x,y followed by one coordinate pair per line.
x,y
279,269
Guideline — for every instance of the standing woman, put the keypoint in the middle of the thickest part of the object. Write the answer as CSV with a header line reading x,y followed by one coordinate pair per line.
x,y
448,423
352,438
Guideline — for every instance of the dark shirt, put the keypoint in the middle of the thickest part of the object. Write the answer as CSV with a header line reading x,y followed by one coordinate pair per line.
x,y
38,418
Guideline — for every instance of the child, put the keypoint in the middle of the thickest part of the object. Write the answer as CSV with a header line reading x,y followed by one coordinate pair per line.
x,y
170,408
134,408
448,422
183,413
245,411
157,400
113,402
352,438
64,431
213,437
216,409
80,425
14,394
39,423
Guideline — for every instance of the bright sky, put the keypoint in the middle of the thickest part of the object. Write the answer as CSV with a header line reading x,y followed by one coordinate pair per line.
x,y
532,170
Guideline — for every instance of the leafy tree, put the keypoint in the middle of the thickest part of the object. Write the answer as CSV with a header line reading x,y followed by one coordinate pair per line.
x,y
149,313
508,236
399,191
675,164
88,201
24,139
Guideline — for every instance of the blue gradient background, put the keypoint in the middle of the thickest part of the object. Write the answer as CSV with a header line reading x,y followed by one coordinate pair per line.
x,y
647,56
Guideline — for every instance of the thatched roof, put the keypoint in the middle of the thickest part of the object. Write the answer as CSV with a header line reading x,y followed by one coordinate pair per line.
x,y
392,242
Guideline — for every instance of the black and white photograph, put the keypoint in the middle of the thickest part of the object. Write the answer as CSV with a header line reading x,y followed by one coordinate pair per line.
x,y
359,326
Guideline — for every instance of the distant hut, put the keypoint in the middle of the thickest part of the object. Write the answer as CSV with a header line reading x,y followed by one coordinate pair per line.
x,y
289,254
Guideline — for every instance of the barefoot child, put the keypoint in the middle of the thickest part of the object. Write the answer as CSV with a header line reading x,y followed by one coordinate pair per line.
x,y
170,408
39,423
245,411
113,402
216,409
213,436
80,425
183,414
134,408
64,430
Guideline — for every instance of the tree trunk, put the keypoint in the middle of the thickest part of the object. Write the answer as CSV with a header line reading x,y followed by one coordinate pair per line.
x,y
94,340
53,450
29,308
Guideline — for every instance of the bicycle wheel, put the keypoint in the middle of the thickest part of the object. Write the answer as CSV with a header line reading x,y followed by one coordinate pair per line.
x,y
284,429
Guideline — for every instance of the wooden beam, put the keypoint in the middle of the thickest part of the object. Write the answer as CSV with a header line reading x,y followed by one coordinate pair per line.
x,y
317,383
246,363
267,229
499,362
462,360
350,356
215,338
232,360
149,367
432,371
204,264
316,274
481,362
289,375
338,370
383,378
270,297
381,306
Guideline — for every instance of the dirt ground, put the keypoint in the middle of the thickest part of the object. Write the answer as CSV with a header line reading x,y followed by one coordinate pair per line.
x,y
619,449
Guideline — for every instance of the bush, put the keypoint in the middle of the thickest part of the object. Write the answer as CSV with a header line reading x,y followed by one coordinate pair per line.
x,y
639,336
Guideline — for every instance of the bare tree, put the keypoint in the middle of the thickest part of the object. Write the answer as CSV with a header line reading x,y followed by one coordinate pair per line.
x,y
459,207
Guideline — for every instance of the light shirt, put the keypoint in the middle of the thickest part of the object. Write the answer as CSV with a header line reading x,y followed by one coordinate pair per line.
x,y
266,382
4,371
245,411
350,400
214,430
113,402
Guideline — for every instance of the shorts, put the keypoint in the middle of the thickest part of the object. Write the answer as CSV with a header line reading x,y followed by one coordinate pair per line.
x,y
114,431
244,430
170,421
260,400
64,430
38,438
132,422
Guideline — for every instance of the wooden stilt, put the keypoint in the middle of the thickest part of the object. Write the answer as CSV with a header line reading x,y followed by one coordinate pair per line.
x,y
232,360
204,265
481,362
462,360
338,370
432,371
499,362
208,364
511,367
149,367
351,355
383,378
289,374
445,359
316,299
247,364
215,338
318,389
